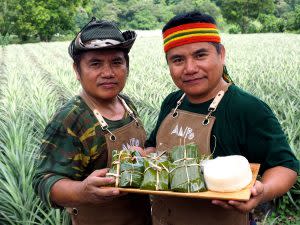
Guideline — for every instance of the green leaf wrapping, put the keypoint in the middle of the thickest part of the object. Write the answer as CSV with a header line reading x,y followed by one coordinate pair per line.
x,y
178,152
131,175
156,175
112,172
131,170
185,176
185,171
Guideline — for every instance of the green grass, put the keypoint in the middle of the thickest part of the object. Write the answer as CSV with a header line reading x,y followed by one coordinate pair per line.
x,y
38,78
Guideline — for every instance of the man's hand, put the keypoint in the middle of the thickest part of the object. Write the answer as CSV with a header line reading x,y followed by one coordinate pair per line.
x,y
92,190
93,187
257,194
275,182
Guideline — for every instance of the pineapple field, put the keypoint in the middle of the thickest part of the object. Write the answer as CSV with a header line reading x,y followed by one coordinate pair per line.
x,y
36,79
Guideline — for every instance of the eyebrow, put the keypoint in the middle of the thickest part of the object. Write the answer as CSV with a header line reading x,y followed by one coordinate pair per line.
x,y
117,58
100,60
174,57
200,50
94,60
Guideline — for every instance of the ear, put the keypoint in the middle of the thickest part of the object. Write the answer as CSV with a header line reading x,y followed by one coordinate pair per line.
x,y
222,54
75,67
127,72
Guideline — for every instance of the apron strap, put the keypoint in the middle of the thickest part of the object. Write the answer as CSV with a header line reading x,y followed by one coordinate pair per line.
x,y
177,105
130,112
212,107
99,117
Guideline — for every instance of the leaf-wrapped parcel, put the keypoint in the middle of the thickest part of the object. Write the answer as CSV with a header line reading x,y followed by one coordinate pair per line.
x,y
185,172
156,174
190,151
127,168
114,171
132,170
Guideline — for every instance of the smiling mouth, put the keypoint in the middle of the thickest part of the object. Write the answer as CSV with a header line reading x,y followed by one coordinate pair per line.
x,y
107,84
194,80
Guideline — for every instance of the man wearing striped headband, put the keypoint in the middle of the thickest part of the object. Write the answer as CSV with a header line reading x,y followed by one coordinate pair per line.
x,y
221,119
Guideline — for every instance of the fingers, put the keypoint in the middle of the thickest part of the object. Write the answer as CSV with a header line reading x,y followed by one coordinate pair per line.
x,y
97,179
139,149
257,189
237,205
232,205
107,191
222,204
100,173
136,148
240,206
244,206
150,150
103,181
108,194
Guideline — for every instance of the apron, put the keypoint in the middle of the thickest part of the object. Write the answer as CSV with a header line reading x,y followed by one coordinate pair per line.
x,y
130,209
178,128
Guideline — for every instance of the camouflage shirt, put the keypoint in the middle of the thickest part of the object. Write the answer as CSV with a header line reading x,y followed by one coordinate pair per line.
x,y
73,146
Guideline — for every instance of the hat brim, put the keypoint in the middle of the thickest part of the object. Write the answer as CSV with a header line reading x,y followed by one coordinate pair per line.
x,y
129,37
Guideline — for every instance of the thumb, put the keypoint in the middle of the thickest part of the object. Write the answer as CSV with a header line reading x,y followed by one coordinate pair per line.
x,y
257,189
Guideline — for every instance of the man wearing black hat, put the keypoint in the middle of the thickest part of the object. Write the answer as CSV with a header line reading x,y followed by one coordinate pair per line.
x,y
79,140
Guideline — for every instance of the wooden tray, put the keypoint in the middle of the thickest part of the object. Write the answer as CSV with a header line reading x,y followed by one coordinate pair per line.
x,y
242,195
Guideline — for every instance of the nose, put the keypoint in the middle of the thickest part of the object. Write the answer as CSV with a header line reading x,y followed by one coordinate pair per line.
x,y
107,71
190,67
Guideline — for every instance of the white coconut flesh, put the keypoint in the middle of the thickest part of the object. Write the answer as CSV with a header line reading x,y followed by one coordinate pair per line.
x,y
227,174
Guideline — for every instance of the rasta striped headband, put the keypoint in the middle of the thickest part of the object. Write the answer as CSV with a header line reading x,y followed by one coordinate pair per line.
x,y
190,33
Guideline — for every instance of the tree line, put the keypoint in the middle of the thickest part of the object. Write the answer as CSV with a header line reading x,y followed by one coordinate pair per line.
x,y
45,19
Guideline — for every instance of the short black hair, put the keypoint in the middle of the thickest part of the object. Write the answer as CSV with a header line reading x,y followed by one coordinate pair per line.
x,y
189,17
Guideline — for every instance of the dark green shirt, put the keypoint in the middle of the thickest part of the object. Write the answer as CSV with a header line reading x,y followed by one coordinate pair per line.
x,y
244,126
73,146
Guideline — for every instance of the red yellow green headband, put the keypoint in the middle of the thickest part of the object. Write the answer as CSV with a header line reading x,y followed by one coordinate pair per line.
x,y
190,33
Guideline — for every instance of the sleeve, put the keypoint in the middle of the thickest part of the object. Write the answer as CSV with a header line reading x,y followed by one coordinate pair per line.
x,y
266,141
60,157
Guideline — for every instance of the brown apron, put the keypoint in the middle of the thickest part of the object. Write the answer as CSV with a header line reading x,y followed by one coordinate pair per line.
x,y
178,128
130,209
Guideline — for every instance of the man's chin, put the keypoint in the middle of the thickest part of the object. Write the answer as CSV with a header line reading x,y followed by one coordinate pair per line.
x,y
195,91
197,96
108,96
